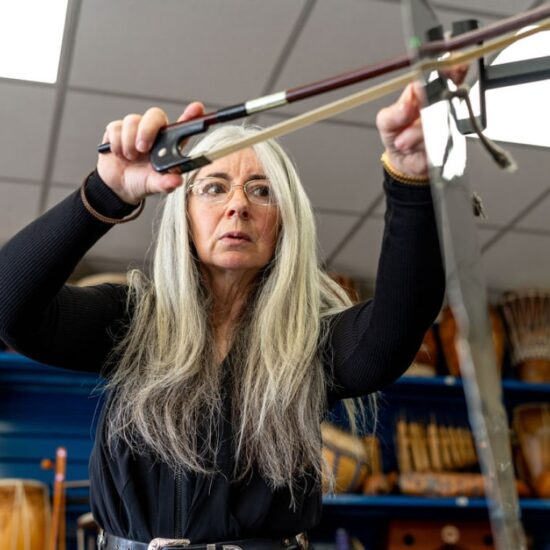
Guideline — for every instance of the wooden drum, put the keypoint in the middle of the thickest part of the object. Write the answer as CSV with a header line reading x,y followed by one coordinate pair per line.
x,y
531,423
527,315
425,361
346,457
24,514
447,334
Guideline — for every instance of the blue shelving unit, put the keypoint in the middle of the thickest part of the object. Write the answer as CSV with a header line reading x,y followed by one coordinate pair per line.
x,y
42,407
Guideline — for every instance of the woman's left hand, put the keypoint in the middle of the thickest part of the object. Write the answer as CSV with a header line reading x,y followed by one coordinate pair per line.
x,y
401,133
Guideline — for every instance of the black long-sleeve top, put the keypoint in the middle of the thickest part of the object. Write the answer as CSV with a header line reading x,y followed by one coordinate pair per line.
x,y
138,497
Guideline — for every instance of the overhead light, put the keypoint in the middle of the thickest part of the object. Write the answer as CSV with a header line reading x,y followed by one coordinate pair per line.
x,y
31,37
520,113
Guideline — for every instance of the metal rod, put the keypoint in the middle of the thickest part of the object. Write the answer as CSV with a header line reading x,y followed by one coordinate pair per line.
x,y
170,137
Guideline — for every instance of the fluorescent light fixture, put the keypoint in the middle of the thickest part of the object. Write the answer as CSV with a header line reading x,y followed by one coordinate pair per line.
x,y
520,113
31,33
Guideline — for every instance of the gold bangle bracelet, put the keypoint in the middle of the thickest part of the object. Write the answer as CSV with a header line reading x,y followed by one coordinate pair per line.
x,y
106,219
400,176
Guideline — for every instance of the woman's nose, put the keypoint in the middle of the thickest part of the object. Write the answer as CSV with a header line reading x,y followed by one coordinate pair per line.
x,y
237,203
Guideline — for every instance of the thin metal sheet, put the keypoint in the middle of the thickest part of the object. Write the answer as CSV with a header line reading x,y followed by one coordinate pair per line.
x,y
466,292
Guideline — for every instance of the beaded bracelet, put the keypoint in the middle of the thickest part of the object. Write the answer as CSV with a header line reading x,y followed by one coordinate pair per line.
x,y
106,219
400,176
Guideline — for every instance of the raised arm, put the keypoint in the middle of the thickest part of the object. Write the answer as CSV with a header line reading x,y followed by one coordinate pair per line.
x,y
64,325
40,316
373,343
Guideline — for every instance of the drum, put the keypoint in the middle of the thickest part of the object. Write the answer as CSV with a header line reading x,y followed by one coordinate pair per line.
x,y
438,535
346,458
527,315
348,284
447,334
425,361
24,514
531,424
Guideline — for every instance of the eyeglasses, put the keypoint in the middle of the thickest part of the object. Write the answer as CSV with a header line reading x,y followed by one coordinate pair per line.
x,y
214,190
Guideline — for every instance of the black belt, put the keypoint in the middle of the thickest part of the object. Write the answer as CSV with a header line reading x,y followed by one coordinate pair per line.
x,y
110,542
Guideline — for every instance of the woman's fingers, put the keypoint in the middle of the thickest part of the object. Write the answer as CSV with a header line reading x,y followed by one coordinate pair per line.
x,y
113,132
128,136
127,171
193,110
410,138
162,183
152,121
400,129
393,119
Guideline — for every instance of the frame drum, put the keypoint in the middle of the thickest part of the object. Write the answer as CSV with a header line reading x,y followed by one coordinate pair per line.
x,y
24,514
345,457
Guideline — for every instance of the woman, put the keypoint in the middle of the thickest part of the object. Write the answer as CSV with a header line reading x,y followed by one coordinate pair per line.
x,y
222,366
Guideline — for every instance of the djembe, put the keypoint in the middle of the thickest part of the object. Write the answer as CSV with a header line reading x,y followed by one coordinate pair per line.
x,y
448,331
346,457
531,423
25,514
527,315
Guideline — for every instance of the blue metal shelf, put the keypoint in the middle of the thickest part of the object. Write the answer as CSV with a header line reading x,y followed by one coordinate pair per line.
x,y
402,501
508,385
19,371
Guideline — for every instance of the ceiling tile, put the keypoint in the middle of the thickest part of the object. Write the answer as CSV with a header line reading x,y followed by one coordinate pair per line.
x,y
505,194
518,260
84,120
347,35
339,166
359,258
125,242
331,229
539,217
26,113
219,51
19,203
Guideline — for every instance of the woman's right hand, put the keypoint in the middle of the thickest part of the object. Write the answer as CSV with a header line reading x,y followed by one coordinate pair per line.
x,y
126,169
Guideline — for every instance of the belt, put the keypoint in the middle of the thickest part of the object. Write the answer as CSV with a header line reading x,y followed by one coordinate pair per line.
x,y
106,541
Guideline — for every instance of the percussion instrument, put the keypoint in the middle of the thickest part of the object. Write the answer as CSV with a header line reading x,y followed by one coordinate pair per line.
x,y
348,284
531,424
345,458
527,315
439,535
448,331
425,361
24,514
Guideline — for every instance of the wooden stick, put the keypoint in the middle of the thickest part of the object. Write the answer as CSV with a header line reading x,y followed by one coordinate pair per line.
x,y
355,100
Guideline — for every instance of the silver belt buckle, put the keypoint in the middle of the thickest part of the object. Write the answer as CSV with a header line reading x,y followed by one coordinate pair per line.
x,y
158,543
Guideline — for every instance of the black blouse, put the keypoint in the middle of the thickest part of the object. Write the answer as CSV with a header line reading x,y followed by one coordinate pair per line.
x,y
138,497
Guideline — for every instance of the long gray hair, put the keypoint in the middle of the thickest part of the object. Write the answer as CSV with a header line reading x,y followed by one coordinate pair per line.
x,y
167,388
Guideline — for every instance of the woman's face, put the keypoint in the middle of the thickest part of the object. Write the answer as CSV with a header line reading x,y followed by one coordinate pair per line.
x,y
236,235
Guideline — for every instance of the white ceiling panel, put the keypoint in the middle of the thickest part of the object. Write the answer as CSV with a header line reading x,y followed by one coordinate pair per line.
x,y
341,36
331,229
339,166
360,256
504,194
347,35
84,120
518,260
19,204
26,113
214,51
539,217
123,242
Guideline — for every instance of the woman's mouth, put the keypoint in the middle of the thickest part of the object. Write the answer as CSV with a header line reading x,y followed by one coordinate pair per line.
x,y
236,237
